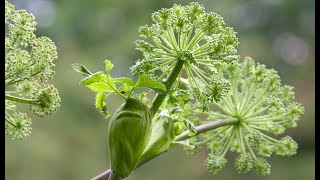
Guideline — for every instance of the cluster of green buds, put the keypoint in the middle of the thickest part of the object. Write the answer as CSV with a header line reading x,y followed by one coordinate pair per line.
x,y
256,107
28,66
188,34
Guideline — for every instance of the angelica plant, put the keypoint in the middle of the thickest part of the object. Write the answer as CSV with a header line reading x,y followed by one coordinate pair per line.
x,y
191,68
28,67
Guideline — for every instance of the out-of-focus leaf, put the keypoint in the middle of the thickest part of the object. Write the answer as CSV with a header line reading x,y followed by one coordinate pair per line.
x,y
81,69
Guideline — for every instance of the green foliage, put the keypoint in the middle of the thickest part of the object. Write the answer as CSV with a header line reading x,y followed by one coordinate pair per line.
x,y
101,105
102,83
145,81
99,82
81,69
28,67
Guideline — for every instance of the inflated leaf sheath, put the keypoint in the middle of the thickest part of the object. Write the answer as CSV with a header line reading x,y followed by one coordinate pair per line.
x,y
129,133
161,137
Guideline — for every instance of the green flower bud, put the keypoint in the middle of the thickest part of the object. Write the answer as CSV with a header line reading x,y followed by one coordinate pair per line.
x,y
286,147
265,150
215,163
129,133
244,163
262,167
286,93
48,102
254,138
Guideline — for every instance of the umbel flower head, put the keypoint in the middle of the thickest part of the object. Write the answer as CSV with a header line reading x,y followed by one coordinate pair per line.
x,y
258,108
28,66
18,125
189,34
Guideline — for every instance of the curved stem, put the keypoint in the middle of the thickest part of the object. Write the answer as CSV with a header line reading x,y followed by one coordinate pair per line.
x,y
206,127
103,176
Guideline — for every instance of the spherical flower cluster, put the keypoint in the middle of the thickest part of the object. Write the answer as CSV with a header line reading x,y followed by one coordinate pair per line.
x,y
28,66
47,102
188,34
258,106
18,125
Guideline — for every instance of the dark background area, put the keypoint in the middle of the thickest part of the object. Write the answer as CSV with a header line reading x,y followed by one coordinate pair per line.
x,y
71,144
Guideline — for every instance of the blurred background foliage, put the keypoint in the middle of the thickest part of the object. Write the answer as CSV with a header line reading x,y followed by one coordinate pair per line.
x,y
71,144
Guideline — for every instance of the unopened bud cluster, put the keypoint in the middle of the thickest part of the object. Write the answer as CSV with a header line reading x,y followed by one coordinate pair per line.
x,y
189,34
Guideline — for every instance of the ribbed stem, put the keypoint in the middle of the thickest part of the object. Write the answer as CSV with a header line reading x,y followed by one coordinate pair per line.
x,y
157,101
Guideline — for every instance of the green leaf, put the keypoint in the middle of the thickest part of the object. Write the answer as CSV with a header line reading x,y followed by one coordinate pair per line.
x,y
124,89
100,87
99,82
147,82
81,69
190,126
91,78
176,110
108,65
101,105
124,80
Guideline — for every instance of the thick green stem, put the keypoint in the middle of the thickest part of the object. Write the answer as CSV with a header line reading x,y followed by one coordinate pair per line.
x,y
114,176
157,101
20,100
